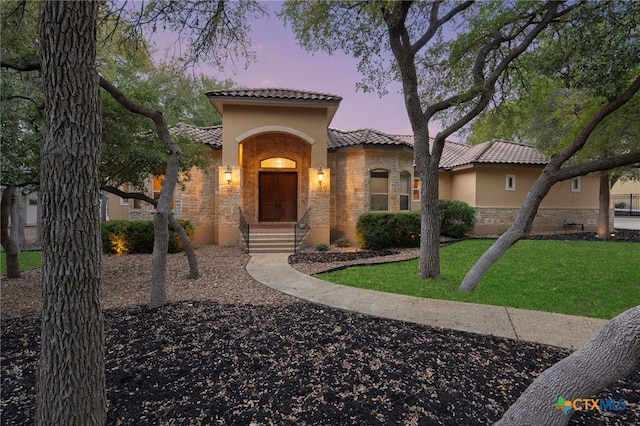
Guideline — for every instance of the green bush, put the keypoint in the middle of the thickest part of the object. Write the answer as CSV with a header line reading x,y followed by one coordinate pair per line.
x,y
381,230
343,242
377,231
322,247
123,236
457,218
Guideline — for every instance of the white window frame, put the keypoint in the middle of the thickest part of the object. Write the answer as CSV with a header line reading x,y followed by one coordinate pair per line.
x,y
576,184
416,190
371,193
510,183
406,192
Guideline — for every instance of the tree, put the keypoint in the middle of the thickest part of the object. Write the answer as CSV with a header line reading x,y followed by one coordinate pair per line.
x,y
11,248
553,172
604,107
457,76
70,376
610,355
566,81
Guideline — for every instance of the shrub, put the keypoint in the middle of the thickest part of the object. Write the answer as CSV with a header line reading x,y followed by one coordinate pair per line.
x,y
343,242
322,247
457,218
377,231
123,236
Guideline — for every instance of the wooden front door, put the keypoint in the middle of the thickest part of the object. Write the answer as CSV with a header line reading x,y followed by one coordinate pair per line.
x,y
278,194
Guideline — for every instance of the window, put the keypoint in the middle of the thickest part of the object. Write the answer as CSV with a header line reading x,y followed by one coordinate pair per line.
x,y
157,188
124,188
405,190
575,184
277,163
379,190
510,184
416,189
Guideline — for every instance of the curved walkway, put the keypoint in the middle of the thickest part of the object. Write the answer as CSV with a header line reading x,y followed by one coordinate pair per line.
x,y
566,331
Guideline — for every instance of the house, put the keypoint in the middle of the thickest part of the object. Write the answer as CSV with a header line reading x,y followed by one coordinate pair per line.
x,y
276,160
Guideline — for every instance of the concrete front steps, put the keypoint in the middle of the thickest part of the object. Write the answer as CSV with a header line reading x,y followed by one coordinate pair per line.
x,y
277,238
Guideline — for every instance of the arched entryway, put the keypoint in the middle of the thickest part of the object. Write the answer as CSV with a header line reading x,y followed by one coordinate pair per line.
x,y
276,183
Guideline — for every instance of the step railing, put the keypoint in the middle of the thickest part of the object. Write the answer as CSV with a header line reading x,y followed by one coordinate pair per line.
x,y
244,230
300,230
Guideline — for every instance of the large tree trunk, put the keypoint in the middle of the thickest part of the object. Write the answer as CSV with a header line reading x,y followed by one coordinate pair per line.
x,y
70,376
603,206
18,220
194,272
430,223
520,228
11,248
610,355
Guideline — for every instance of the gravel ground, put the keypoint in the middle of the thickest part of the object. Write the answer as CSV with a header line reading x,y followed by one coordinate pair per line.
x,y
228,350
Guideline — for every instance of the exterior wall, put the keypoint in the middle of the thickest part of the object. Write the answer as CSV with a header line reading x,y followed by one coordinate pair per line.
x,y
496,207
240,121
118,208
350,186
264,146
626,187
198,201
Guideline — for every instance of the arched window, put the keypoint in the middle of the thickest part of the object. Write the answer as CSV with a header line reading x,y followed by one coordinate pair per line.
x,y
405,191
379,190
277,163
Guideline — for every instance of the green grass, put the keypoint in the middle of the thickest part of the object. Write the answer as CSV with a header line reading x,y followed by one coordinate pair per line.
x,y
28,260
594,279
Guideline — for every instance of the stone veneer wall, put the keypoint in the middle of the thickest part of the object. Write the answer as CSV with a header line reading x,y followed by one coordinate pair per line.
x,y
270,145
350,184
492,220
197,202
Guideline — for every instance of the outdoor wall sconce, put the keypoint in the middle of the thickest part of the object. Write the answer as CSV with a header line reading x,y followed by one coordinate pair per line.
x,y
227,175
320,175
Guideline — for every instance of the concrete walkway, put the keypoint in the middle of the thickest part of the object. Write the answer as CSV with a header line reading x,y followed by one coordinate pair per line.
x,y
565,331
632,222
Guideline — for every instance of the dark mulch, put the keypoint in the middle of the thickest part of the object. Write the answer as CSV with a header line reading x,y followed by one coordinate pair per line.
x,y
628,235
204,363
337,256
195,363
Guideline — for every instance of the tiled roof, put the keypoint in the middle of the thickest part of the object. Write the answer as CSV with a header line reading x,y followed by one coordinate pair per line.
x,y
211,136
455,154
340,139
273,93
494,152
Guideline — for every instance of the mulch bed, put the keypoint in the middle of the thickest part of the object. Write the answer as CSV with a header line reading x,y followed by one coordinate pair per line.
x,y
194,363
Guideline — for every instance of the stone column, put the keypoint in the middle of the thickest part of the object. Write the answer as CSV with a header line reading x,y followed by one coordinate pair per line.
x,y
229,197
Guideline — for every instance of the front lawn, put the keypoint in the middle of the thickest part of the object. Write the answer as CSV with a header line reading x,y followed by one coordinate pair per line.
x,y
28,260
594,279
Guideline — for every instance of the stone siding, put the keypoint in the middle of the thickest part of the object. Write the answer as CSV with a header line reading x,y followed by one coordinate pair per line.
x,y
492,220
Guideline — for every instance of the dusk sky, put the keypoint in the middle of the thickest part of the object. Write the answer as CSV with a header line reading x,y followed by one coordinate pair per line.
x,y
282,63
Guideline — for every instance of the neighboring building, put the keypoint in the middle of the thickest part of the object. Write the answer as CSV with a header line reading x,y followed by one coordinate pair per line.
x,y
277,143
625,198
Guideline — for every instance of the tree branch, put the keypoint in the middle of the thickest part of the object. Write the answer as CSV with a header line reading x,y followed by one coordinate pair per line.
x,y
579,141
123,194
606,163
22,67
